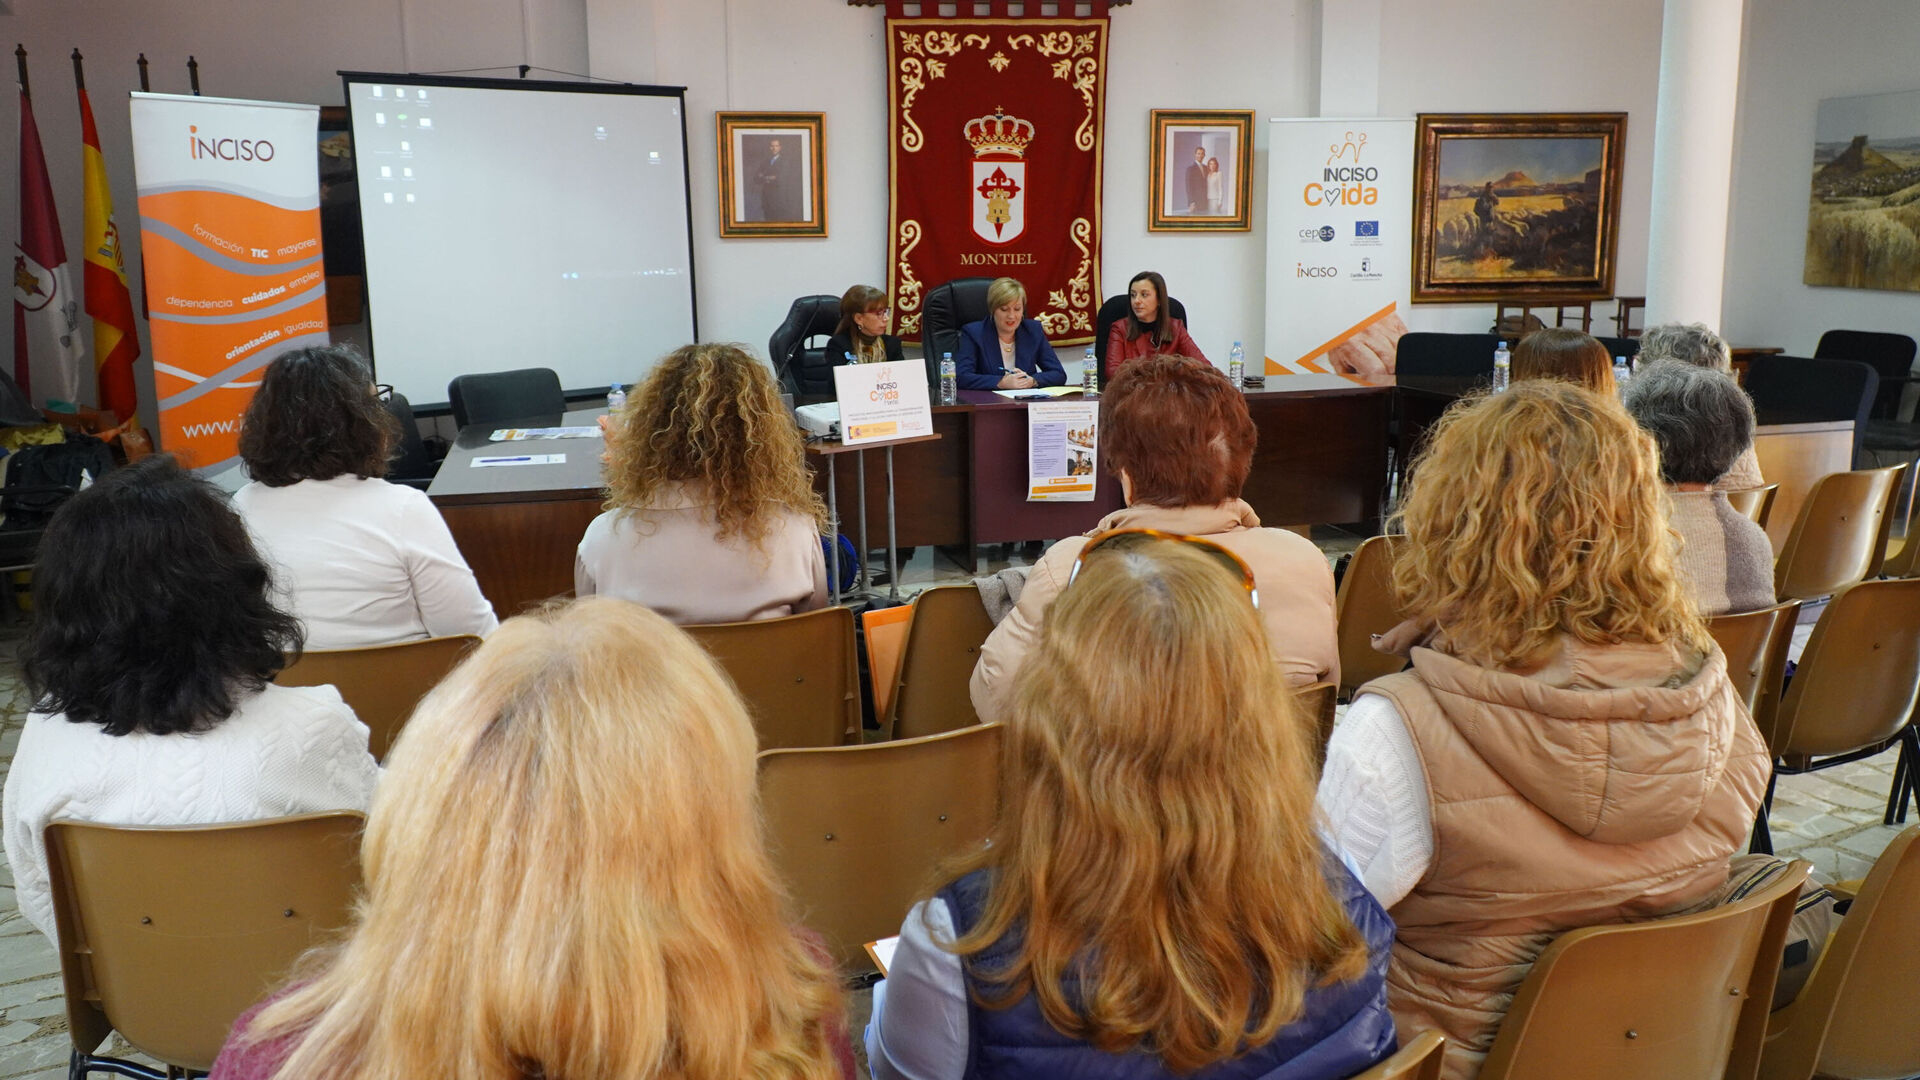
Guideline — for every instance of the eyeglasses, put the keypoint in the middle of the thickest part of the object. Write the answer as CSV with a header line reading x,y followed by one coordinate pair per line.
x,y
1114,540
885,313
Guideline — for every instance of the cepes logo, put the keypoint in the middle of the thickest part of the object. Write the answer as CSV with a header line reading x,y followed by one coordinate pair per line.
x,y
1303,270
227,149
1349,184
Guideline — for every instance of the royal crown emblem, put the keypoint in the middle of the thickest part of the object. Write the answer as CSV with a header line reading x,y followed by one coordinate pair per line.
x,y
999,175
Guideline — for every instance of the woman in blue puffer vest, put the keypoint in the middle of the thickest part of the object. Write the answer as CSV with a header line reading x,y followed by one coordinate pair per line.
x,y
1154,900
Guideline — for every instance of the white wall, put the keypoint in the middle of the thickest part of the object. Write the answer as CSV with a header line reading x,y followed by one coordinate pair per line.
x,y
1797,53
247,49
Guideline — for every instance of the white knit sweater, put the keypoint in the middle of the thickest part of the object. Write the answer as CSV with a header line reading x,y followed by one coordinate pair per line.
x,y
285,750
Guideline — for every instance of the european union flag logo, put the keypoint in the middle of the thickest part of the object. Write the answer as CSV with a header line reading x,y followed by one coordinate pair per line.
x,y
1366,228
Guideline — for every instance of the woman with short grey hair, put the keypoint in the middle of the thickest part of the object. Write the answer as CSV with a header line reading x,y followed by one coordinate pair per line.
x,y
1702,420
1695,344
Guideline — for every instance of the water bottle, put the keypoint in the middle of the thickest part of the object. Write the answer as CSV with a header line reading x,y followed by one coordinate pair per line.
x,y
1621,372
1090,375
1502,368
616,398
1237,367
949,380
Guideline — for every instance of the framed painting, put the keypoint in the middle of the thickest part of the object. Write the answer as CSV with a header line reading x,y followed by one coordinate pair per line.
x,y
1516,205
1201,171
773,173
1864,211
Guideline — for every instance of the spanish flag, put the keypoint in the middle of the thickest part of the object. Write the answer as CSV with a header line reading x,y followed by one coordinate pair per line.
x,y
115,342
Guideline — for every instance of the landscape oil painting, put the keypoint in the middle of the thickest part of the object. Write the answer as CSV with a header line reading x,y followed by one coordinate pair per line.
x,y
1517,205
1865,206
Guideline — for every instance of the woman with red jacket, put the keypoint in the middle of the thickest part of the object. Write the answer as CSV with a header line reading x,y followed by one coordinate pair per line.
x,y
1149,327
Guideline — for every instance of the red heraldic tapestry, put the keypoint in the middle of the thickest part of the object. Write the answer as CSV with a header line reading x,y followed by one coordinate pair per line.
x,y
996,146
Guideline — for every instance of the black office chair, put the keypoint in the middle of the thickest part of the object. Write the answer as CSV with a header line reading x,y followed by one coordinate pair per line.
x,y
1890,356
1628,347
1112,312
1423,353
948,308
501,396
1815,390
412,464
802,366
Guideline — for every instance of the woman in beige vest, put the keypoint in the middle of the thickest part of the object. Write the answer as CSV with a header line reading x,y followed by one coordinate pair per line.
x,y
1566,750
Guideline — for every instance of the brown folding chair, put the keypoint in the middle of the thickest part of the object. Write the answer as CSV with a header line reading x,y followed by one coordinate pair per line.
x,y
797,674
168,935
1755,503
1840,536
1420,1059
1857,1016
1316,703
1756,646
943,643
381,683
857,831
1853,694
1679,998
1364,606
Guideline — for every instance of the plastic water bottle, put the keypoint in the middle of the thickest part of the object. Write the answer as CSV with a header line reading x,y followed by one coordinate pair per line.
x,y
616,398
949,380
1090,375
1502,368
1237,367
1621,372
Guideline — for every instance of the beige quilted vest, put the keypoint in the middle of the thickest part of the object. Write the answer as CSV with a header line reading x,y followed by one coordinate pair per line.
x,y
1602,789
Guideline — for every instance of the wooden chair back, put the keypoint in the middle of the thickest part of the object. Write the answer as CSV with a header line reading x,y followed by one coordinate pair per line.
x,y
857,831
1419,1059
796,673
1671,999
1365,605
381,683
1755,643
1859,676
1317,705
1840,536
943,643
1858,1016
1755,503
167,935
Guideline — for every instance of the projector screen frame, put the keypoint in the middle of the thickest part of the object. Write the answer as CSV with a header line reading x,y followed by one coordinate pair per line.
x,y
348,78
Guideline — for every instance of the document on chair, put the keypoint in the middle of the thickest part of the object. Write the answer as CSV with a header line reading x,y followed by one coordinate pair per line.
x,y
1062,450
881,953
518,459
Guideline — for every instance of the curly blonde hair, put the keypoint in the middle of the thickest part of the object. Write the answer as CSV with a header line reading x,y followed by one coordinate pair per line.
x,y
710,417
1538,513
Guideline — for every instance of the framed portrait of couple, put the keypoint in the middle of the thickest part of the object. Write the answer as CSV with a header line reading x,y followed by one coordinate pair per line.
x,y
773,173
1201,170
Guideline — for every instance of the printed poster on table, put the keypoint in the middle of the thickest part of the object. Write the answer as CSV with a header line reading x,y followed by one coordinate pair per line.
x,y
1339,244
230,235
882,401
1063,450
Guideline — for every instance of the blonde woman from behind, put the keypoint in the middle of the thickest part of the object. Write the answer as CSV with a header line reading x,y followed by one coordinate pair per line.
x,y
565,877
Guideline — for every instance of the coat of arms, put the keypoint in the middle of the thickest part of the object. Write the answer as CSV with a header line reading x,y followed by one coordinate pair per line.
x,y
999,175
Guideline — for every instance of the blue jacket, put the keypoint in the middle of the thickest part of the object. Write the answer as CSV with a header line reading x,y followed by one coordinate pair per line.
x,y
978,361
1343,1030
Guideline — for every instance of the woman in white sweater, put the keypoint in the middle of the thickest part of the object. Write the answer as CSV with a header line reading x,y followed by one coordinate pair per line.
x,y
149,661
711,515
358,560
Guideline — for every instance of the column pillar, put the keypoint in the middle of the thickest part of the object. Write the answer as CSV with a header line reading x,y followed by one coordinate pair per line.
x,y
1349,58
1693,160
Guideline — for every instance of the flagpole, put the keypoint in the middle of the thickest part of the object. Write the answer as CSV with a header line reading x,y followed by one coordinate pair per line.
x,y
20,54
193,75
79,76
144,87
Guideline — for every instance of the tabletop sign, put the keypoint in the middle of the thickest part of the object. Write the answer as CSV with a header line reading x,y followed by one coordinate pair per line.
x,y
882,401
1063,439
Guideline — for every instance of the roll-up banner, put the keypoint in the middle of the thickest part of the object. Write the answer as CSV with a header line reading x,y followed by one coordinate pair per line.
x,y
230,235
1339,244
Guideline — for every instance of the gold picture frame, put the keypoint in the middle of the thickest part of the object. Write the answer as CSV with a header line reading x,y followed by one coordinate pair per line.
x,y
1516,205
773,173
1190,187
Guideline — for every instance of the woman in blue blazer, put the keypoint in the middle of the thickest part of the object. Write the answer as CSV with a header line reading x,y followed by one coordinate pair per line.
x,y
1006,350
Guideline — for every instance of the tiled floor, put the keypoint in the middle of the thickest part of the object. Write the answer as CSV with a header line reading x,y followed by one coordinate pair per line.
x,y
1832,820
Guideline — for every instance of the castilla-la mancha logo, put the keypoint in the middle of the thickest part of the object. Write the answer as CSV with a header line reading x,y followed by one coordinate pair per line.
x,y
999,175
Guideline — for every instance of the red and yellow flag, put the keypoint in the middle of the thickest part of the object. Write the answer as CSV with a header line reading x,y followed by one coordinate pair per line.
x,y
115,342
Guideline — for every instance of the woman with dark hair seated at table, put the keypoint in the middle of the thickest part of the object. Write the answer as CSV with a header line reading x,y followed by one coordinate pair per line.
x,y
1568,355
1179,439
1006,350
1149,326
1702,420
149,664
861,336
358,560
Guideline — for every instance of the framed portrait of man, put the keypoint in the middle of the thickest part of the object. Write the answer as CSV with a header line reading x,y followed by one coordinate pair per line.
x,y
1201,168
773,173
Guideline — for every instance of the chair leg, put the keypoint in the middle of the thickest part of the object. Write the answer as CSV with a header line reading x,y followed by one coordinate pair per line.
x,y
1905,781
1762,843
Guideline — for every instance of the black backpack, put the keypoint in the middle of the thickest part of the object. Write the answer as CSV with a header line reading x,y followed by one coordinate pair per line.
x,y
40,478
